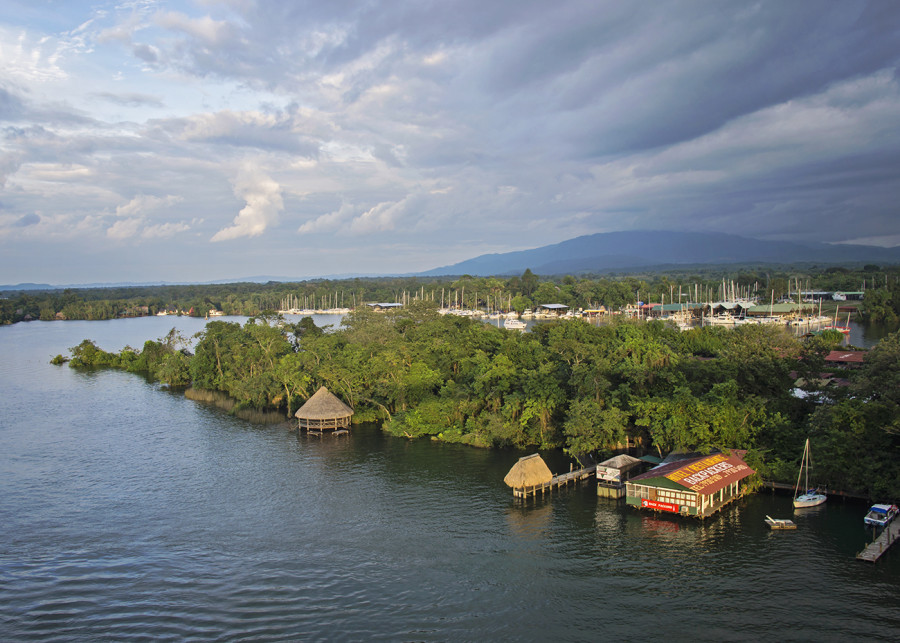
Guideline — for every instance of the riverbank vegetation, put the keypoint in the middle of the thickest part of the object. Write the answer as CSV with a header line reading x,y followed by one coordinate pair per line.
x,y
571,385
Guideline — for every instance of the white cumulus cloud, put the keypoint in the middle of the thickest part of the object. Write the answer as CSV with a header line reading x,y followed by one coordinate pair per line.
x,y
264,203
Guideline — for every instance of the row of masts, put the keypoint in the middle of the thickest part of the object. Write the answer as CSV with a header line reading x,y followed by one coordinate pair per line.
x,y
456,298
330,301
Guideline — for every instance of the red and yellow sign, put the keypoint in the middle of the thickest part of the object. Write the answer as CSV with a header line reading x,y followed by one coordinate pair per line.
x,y
661,506
710,474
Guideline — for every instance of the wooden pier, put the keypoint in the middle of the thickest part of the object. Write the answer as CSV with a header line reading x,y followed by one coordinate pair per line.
x,y
556,482
876,548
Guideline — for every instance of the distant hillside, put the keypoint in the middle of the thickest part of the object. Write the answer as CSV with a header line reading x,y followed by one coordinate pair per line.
x,y
612,251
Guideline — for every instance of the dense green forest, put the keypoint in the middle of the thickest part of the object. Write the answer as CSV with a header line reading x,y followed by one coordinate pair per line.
x,y
572,385
881,287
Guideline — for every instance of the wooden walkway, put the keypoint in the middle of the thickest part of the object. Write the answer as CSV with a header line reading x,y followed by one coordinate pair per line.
x,y
888,537
783,486
556,482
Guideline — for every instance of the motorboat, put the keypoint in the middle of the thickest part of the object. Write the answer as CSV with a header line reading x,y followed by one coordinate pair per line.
x,y
881,515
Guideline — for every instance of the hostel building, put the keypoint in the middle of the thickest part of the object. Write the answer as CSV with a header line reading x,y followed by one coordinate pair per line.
x,y
698,485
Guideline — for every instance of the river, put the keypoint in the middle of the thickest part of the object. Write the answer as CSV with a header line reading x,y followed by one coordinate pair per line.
x,y
131,513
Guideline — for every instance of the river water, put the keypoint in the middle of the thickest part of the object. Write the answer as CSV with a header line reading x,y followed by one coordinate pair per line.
x,y
128,512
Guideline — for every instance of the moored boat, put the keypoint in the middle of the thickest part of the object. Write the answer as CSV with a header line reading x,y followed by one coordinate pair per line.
x,y
780,523
812,497
514,324
881,515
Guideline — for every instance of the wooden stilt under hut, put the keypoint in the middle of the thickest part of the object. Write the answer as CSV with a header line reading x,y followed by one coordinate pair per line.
x,y
324,412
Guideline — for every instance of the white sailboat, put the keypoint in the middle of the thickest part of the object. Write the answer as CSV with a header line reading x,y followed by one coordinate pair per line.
x,y
810,497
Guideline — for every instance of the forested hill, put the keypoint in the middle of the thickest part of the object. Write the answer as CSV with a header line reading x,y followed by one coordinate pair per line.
x,y
629,250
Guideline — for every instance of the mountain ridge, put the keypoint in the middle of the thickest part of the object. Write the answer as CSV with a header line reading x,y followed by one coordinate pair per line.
x,y
608,251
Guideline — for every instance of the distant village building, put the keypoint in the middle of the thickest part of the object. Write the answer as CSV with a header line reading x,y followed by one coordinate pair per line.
x,y
845,359
733,308
384,306
778,310
556,310
323,412
594,312
848,296
691,309
695,485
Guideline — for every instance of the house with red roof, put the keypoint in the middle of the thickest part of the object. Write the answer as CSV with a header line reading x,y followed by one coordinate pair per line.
x,y
694,485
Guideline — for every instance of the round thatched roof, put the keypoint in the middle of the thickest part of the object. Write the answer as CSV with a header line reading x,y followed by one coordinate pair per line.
x,y
528,472
323,405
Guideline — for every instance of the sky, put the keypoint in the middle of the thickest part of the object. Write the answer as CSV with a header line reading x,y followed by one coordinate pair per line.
x,y
192,141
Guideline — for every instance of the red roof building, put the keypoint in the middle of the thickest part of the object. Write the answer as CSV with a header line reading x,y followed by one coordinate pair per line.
x,y
852,359
698,485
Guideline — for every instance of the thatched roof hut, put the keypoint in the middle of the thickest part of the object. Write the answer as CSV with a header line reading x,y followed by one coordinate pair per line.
x,y
323,411
530,471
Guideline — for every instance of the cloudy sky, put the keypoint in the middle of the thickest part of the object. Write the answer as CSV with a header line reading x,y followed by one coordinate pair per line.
x,y
195,140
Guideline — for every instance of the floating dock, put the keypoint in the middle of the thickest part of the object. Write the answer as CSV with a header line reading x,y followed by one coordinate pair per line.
x,y
780,523
556,482
876,548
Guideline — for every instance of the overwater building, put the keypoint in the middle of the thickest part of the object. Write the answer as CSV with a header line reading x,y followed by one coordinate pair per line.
x,y
323,412
693,485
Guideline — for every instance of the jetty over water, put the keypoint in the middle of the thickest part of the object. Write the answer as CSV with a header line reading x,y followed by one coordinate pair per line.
x,y
531,476
889,535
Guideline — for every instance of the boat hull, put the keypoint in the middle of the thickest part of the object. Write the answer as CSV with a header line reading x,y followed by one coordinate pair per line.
x,y
809,500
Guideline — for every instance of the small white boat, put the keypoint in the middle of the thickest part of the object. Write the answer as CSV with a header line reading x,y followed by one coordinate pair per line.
x,y
811,497
514,324
780,523
881,515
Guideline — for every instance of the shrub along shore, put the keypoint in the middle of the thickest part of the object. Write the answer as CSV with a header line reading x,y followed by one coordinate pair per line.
x,y
573,385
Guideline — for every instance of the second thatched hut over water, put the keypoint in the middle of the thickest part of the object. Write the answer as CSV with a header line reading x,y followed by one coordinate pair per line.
x,y
323,412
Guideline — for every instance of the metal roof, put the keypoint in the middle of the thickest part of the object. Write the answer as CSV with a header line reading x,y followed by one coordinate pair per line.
x,y
765,309
703,474
846,356
674,308
553,306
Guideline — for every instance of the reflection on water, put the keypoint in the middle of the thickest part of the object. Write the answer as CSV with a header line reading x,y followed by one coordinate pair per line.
x,y
529,522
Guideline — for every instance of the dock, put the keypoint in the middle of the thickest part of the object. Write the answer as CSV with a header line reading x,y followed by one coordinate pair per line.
x,y
556,482
876,548
780,523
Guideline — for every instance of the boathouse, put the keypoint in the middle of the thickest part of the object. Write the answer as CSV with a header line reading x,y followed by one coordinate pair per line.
x,y
695,485
323,412
553,310
612,474
778,310
382,306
